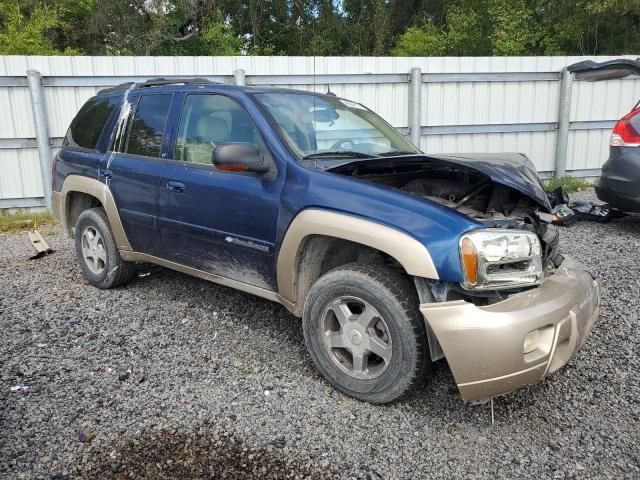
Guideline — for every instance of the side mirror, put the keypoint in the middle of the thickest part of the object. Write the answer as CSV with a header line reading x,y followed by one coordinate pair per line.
x,y
240,157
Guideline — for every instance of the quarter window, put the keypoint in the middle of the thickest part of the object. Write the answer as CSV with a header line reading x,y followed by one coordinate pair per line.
x,y
88,124
147,128
209,120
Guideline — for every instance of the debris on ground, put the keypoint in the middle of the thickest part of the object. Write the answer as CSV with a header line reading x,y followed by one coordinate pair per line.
x,y
558,196
595,213
563,215
85,436
40,244
17,388
567,213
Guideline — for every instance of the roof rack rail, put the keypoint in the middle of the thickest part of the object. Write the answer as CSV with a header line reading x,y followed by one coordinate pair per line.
x,y
122,86
153,82
156,82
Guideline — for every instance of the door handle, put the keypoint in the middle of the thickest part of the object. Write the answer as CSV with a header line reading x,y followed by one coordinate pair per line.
x,y
174,186
105,173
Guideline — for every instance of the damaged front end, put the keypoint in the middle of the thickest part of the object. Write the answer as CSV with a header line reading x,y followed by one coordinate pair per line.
x,y
522,310
501,192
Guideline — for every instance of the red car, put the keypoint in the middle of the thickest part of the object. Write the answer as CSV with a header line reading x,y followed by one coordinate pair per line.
x,y
619,183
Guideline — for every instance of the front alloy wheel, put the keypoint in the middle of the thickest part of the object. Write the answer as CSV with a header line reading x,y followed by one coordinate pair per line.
x,y
364,332
356,337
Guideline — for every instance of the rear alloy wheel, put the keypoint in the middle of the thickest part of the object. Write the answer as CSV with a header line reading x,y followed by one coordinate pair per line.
x,y
93,250
97,252
364,332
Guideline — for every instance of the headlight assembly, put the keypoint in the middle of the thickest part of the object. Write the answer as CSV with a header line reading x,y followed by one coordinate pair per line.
x,y
494,259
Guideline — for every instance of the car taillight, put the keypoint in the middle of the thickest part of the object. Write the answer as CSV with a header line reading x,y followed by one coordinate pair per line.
x,y
626,133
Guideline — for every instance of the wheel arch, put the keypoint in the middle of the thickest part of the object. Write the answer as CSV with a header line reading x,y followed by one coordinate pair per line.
x,y
79,193
303,248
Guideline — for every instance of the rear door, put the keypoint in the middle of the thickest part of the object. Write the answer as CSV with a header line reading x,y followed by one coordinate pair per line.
x,y
133,169
221,222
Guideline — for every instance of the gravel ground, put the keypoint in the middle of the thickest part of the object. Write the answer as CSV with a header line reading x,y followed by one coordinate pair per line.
x,y
174,377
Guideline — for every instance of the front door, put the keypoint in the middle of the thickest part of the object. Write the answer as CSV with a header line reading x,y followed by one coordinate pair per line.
x,y
221,222
133,170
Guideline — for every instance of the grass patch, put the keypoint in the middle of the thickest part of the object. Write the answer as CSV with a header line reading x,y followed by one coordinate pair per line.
x,y
570,184
20,220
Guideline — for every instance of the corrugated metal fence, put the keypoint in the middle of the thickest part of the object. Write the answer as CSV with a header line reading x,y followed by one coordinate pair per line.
x,y
487,104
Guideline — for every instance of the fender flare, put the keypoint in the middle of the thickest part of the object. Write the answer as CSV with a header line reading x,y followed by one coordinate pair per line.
x,y
101,192
409,252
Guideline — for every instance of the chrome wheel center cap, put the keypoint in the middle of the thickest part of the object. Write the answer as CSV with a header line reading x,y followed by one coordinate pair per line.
x,y
356,337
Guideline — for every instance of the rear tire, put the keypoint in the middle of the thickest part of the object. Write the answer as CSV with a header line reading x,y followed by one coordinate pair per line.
x,y
97,252
364,332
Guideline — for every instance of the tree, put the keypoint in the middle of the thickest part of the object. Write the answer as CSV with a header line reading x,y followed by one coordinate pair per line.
x,y
588,27
514,31
463,34
218,39
320,27
466,31
29,27
420,42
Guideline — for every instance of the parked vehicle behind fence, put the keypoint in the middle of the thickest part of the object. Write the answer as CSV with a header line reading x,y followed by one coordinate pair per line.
x,y
619,184
394,259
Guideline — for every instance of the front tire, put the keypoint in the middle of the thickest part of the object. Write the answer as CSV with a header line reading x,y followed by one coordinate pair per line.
x,y
97,252
364,332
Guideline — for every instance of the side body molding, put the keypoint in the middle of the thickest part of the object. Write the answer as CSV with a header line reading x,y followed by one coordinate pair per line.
x,y
408,251
98,190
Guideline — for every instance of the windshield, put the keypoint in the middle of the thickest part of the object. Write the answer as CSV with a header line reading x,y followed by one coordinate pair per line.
x,y
317,127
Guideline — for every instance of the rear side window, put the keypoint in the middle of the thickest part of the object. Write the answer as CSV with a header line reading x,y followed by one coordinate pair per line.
x,y
86,128
147,128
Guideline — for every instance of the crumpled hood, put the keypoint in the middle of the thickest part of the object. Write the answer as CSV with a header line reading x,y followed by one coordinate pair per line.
x,y
513,170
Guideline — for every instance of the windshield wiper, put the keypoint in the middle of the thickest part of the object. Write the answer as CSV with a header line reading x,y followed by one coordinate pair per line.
x,y
394,153
338,154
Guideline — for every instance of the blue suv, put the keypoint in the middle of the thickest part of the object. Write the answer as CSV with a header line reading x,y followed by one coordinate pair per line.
x,y
394,259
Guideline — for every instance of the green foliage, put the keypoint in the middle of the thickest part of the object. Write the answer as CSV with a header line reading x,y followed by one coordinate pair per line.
x,y
28,28
23,220
420,42
320,27
570,184
465,33
514,32
218,38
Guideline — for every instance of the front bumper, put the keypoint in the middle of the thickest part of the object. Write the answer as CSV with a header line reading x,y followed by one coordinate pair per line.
x,y
484,345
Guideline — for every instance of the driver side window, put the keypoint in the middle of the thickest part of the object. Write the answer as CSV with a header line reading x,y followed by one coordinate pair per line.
x,y
209,120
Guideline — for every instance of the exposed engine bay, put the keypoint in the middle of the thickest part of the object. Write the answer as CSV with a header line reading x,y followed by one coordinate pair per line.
x,y
469,191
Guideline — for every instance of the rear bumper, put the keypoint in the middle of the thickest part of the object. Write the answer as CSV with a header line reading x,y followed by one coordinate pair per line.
x,y
619,184
608,191
484,345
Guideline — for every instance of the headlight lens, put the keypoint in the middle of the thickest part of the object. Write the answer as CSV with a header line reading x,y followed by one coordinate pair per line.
x,y
495,259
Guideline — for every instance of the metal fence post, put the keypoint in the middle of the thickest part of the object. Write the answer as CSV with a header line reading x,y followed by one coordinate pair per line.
x,y
415,91
564,112
34,81
238,77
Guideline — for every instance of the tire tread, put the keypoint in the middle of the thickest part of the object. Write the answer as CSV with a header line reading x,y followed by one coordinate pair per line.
x,y
398,285
121,271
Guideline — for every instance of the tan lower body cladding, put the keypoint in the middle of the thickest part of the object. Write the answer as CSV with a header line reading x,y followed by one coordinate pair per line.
x,y
96,189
